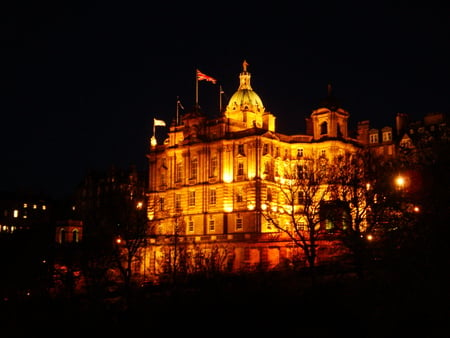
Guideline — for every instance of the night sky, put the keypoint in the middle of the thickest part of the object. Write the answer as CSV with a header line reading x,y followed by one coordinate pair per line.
x,y
81,84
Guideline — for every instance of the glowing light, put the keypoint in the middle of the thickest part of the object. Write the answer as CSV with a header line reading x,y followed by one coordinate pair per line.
x,y
400,181
153,141
416,209
118,240
227,178
251,206
369,237
139,205
228,208
264,206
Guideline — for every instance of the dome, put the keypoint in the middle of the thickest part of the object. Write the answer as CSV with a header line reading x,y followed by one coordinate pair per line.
x,y
245,98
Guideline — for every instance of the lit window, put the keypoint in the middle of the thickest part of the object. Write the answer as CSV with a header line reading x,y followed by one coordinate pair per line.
x,y
191,198
239,223
373,138
16,213
214,167
25,205
240,196
75,236
178,201
178,172
194,168
240,169
212,225
241,149
212,196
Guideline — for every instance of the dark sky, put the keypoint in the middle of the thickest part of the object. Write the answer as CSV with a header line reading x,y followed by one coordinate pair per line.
x,y
81,83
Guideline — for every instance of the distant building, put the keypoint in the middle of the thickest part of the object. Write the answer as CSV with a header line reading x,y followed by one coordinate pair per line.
x,y
69,231
23,211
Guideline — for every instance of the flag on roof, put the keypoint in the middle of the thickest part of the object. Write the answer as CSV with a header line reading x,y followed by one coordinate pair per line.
x,y
157,122
201,76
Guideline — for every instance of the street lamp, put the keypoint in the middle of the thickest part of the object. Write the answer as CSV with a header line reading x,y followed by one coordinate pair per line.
x,y
400,182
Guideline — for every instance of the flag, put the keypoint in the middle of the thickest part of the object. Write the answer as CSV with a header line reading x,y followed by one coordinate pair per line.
x,y
157,122
201,76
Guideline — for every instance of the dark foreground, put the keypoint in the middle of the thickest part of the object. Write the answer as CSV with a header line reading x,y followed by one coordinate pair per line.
x,y
394,305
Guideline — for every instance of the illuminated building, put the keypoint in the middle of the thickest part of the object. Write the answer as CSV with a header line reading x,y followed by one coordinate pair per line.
x,y
211,178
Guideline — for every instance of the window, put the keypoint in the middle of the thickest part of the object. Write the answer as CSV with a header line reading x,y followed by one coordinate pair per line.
x,y
265,148
239,223
240,196
161,203
178,172
301,197
302,225
300,172
214,167
373,138
323,153
241,149
269,194
387,136
178,201
192,198
324,128
194,168
63,236
212,196
163,179
240,169
75,236
212,225
300,152
246,254
191,225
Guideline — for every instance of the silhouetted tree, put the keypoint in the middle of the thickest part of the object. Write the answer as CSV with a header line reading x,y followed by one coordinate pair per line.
x,y
294,208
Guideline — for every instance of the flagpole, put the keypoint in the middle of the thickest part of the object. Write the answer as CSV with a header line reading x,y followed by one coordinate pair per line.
x,y
178,100
196,89
220,98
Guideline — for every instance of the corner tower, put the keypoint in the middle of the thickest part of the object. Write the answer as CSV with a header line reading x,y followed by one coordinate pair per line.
x,y
329,119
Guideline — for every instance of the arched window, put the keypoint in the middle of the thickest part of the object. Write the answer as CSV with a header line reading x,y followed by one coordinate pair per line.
x,y
62,236
75,236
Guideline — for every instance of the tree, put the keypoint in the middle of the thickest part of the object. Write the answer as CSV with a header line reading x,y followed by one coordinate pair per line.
x,y
130,237
294,208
